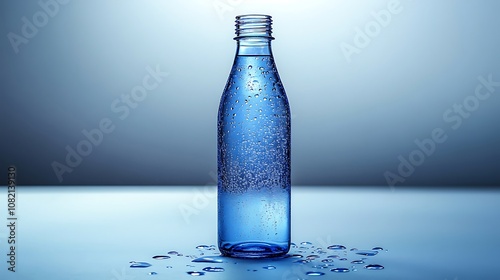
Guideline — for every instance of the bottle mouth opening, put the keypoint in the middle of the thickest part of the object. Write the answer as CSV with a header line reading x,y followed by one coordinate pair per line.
x,y
253,26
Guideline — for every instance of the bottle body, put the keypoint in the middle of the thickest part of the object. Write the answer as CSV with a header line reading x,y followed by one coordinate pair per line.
x,y
254,160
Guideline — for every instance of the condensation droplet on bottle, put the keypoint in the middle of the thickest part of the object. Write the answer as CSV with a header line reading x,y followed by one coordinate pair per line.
x,y
249,67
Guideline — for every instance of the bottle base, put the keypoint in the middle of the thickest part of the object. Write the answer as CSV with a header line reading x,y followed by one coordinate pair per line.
x,y
253,250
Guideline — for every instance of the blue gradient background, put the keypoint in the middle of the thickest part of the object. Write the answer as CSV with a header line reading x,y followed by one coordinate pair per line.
x,y
350,122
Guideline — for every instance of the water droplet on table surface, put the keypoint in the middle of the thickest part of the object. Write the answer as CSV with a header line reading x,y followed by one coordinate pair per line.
x,y
140,264
312,257
336,247
318,250
152,273
367,252
213,269
269,267
374,266
295,256
196,273
208,260
315,273
340,269
321,266
161,257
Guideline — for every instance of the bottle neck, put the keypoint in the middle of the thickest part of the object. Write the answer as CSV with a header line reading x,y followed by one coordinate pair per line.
x,y
253,47
253,35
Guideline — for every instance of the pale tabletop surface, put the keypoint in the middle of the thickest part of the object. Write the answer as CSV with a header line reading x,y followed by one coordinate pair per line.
x,y
75,233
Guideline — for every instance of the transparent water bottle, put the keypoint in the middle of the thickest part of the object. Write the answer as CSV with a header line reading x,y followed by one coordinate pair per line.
x,y
254,149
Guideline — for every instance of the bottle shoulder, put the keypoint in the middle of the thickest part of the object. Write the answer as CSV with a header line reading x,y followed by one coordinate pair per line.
x,y
254,76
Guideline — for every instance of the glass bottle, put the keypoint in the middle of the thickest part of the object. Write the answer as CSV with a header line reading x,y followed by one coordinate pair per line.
x,y
253,149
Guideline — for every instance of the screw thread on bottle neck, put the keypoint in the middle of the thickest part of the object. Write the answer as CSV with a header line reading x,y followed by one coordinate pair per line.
x,y
254,26
253,34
